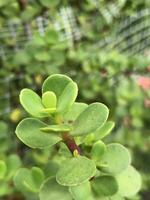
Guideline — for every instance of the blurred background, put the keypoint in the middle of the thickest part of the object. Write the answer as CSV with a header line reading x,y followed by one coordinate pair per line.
x,y
103,45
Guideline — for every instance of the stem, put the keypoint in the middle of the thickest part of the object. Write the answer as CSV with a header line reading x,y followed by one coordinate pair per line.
x,y
71,144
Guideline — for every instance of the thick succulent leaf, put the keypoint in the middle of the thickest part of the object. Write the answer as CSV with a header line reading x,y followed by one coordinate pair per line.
x,y
75,111
3,169
105,185
29,180
28,131
56,83
32,103
104,130
13,163
51,169
98,149
5,189
51,190
75,171
67,97
116,159
82,191
37,176
129,182
94,116
49,99
64,88
48,111
56,128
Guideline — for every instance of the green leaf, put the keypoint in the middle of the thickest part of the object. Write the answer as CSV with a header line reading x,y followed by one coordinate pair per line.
x,y
32,103
67,97
56,83
116,159
48,111
64,88
37,176
51,169
13,163
49,99
94,116
129,182
105,185
5,189
28,131
75,171
56,128
75,111
98,149
3,169
82,191
104,130
51,190
29,180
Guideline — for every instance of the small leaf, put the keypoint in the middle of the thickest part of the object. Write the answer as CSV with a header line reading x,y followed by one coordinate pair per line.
x,y
94,116
82,191
51,169
116,159
56,128
105,185
32,103
75,111
37,176
98,149
13,163
49,99
20,179
56,83
104,130
67,97
3,169
48,111
51,190
75,171
129,182
29,180
28,131
64,88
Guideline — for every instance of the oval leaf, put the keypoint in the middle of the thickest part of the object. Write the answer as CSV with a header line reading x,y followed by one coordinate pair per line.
x,y
29,180
67,97
32,103
56,83
3,169
105,185
94,116
51,190
98,149
28,131
56,128
104,130
129,182
75,111
116,159
75,171
64,88
49,99
82,191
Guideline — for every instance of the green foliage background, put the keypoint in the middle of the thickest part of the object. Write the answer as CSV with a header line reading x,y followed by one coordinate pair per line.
x,y
103,74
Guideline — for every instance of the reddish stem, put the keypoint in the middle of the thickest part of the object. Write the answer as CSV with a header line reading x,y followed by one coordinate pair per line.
x,y
71,144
